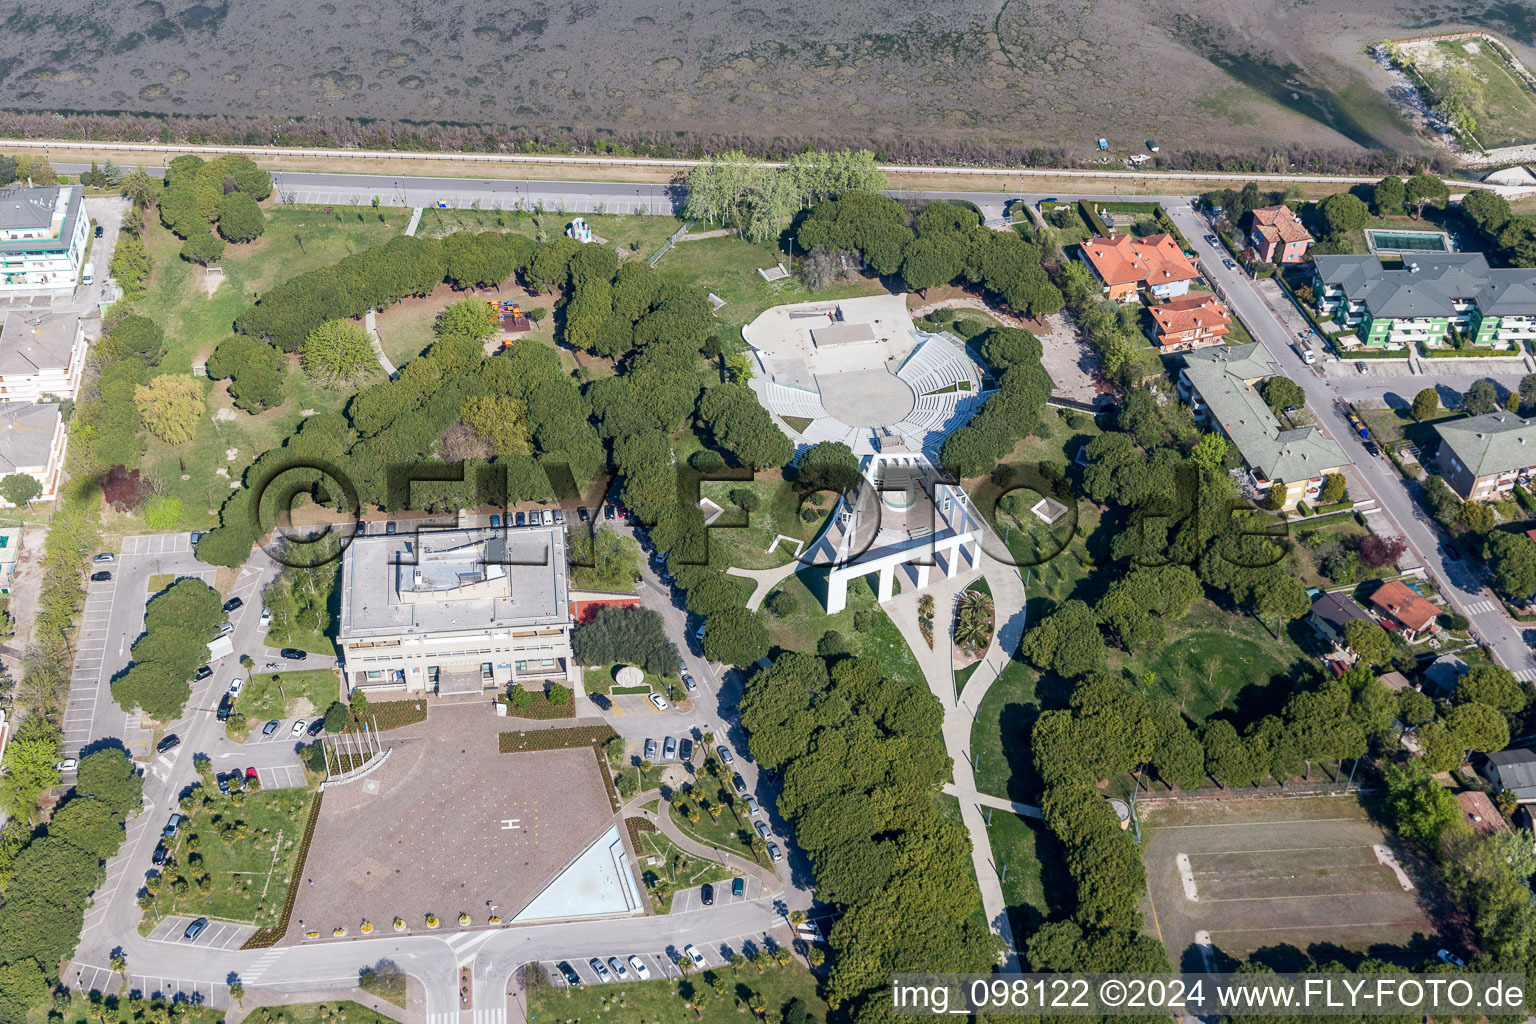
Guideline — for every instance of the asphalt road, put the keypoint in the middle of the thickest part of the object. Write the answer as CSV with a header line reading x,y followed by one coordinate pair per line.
x,y
1466,592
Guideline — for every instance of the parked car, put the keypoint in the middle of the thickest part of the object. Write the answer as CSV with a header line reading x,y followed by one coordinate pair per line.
x,y
698,634
650,749
522,519
293,654
250,773
266,618
1229,264
232,604
559,517
197,535
69,764
99,231
495,522
202,673
100,577
317,727
692,953
227,628
1213,240
568,972
104,557
762,829
685,749
740,784
158,857
774,853
753,807
688,681
608,512
1361,368
619,970
389,528
270,727
669,748
195,929
725,754
298,728
223,781
171,742
234,687
660,702
638,966
738,887
707,894
602,972
226,705
173,825
1371,449
1447,957
583,514
547,517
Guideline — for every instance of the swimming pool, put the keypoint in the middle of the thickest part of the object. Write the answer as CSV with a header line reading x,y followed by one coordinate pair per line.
x,y
1408,241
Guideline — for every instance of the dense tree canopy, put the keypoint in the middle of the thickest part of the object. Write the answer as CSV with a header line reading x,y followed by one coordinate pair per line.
x,y
632,636
178,624
255,371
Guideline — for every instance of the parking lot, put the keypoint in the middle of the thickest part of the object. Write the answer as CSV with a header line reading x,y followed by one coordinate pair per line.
x,y
691,899
158,544
217,935
1226,878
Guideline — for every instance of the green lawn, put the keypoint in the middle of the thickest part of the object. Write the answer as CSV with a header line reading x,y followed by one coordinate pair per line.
x,y
637,234
1000,736
1216,660
664,1001
287,695
741,540
1508,114
802,630
82,1011
1037,887
732,833
729,268
249,868
661,858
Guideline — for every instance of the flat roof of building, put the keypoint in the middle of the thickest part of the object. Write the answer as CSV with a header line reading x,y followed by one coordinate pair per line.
x,y
33,209
453,580
37,339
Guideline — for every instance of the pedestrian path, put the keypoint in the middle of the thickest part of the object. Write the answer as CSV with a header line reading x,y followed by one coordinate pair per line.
x,y
987,800
410,229
371,323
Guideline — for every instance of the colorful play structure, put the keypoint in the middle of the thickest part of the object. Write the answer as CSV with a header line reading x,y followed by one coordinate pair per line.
x,y
513,319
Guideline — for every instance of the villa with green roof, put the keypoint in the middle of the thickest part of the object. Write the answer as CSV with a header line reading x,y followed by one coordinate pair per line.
x,y
1219,385
1426,299
43,238
1483,457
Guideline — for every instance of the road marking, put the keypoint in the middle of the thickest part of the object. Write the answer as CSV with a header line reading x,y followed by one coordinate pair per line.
x,y
491,1016
1480,607
1526,675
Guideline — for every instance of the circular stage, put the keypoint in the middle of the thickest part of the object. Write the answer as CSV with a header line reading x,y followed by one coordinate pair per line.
x,y
858,371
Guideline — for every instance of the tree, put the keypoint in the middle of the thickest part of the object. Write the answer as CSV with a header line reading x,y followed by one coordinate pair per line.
x,y
1067,641
88,824
139,188
1425,189
1423,808
735,637
633,636
499,421
29,767
20,489
1334,489
1343,213
1476,517
1377,551
1480,398
829,465
1478,728
131,264
240,219
203,248
110,777
170,406
1227,758
255,371
178,624
1281,393
1369,641
337,717
338,354
1282,596
1388,196
1512,556
474,319
1494,686
1426,403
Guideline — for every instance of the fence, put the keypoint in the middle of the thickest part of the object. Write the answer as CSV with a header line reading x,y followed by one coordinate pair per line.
x,y
669,243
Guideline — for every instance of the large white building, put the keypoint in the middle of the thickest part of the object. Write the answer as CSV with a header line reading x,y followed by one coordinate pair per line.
x,y
43,237
455,611
42,354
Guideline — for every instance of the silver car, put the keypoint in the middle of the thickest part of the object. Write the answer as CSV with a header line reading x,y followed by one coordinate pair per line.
x,y
547,518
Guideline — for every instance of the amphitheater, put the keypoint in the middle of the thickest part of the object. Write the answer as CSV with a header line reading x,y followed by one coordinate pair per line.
x,y
860,372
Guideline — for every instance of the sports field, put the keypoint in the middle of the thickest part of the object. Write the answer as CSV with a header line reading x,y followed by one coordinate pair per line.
x,y
1307,874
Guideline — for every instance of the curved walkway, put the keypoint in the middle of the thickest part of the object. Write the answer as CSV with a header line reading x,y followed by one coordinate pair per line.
x,y
765,580
772,883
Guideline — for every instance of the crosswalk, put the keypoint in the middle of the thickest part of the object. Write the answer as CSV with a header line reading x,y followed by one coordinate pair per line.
x,y
496,1016
443,1018
1481,607
1526,675
464,944
263,962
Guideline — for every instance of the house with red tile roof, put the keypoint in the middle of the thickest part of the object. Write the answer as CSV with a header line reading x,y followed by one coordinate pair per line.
x,y
1479,813
1190,321
1400,607
1277,236
1124,264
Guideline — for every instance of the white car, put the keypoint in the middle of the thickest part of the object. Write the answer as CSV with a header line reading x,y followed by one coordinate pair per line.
x,y
69,764
660,702
234,687
692,953
298,728
638,966
548,517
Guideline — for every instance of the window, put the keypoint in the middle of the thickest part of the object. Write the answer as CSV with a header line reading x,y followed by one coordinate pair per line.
x,y
485,670
374,675
432,673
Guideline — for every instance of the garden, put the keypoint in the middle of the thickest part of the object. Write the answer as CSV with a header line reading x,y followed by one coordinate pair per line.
x,y
723,995
280,695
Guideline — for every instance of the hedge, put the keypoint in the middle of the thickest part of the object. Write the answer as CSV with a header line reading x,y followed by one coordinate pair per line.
x,y
1526,500
556,739
269,936
1091,218
1303,509
1470,352
1166,223
1338,506
637,827
541,707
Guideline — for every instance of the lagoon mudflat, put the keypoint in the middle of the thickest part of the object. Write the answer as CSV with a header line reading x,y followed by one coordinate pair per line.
x,y
948,79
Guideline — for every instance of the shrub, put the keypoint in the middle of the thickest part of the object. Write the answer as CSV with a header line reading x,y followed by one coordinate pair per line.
x,y
783,604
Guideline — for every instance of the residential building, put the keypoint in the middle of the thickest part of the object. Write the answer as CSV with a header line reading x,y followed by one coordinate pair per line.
x,y
32,441
1219,385
44,234
1479,813
1426,297
1124,264
10,553
1332,613
1190,321
1400,607
1277,236
1514,770
455,610
1444,674
1483,457
42,354
1395,681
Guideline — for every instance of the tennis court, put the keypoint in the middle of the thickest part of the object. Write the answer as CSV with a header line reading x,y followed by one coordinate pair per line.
x,y
1227,878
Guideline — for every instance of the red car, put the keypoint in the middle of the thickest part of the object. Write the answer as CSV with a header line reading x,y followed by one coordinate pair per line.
x,y
250,773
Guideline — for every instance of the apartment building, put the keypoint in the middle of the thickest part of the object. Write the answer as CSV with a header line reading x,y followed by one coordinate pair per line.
x,y
1483,457
42,354
455,610
1220,386
32,442
1190,321
1426,298
1277,236
44,233
1125,264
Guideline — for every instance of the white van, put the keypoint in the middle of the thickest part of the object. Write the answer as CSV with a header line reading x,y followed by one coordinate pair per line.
x,y
89,274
